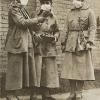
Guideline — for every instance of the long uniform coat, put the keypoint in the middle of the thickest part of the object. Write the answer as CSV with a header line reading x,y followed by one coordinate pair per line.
x,y
21,71
49,72
80,29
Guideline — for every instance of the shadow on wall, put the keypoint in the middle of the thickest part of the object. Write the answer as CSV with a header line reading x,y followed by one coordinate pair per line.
x,y
64,86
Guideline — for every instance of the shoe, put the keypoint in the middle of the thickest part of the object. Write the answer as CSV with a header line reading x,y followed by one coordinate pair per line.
x,y
71,97
48,98
33,97
17,98
8,98
11,97
79,96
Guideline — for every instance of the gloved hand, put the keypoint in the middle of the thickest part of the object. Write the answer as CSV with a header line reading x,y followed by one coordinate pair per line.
x,y
38,38
63,47
46,13
89,45
56,37
41,19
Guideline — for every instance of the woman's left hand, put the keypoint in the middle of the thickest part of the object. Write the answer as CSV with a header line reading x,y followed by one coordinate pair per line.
x,y
56,37
89,45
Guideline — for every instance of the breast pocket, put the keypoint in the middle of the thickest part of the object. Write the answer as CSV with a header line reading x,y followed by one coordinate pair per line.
x,y
84,22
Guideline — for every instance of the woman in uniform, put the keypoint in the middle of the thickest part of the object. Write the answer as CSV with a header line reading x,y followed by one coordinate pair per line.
x,y
80,31
21,66
48,33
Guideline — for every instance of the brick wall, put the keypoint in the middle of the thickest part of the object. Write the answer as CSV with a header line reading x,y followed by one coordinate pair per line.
x,y
96,6
3,32
96,52
60,9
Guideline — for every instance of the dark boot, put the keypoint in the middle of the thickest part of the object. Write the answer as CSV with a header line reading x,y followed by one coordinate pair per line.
x,y
12,97
48,98
71,97
9,98
34,94
79,95
46,94
33,97
72,90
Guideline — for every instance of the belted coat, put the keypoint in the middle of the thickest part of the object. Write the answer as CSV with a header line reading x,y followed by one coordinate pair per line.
x,y
21,70
47,49
80,30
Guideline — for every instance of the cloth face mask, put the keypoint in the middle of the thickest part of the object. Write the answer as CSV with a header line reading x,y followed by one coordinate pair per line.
x,y
77,4
24,2
46,7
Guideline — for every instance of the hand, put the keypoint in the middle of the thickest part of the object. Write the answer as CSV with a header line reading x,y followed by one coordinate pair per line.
x,y
63,48
38,37
88,46
46,13
91,43
56,37
41,19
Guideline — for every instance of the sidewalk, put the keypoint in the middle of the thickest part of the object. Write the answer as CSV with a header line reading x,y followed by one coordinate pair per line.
x,y
93,94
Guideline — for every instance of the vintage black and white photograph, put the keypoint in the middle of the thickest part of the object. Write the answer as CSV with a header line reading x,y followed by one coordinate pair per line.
x,y
49,49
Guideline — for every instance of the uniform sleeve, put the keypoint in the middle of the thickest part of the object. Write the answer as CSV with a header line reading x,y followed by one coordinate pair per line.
x,y
92,26
20,20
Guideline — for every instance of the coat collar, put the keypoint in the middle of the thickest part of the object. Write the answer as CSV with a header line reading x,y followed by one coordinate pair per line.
x,y
84,6
15,4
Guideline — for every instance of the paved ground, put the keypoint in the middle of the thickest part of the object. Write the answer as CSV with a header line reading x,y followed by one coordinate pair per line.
x,y
92,94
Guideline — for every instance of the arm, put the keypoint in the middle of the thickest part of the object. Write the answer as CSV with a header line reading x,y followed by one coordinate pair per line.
x,y
92,27
56,31
19,19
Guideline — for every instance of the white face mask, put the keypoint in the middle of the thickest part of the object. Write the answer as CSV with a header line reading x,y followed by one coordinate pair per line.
x,y
77,4
46,7
24,2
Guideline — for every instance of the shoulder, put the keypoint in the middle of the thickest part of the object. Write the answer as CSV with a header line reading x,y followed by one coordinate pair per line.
x,y
13,6
90,11
14,10
54,18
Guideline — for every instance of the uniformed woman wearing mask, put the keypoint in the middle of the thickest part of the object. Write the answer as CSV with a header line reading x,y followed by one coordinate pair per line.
x,y
48,34
80,31
21,69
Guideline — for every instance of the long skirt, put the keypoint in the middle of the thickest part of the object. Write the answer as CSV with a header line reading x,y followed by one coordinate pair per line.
x,y
49,74
78,66
22,70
